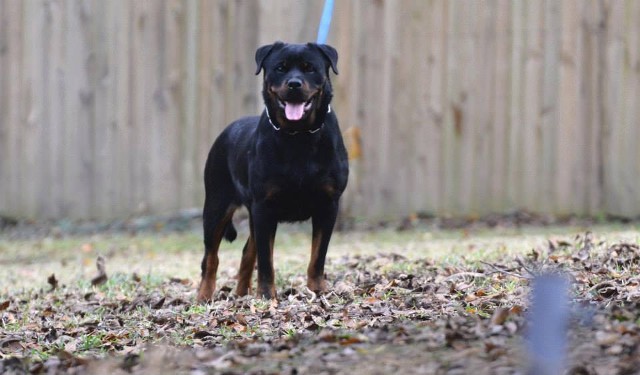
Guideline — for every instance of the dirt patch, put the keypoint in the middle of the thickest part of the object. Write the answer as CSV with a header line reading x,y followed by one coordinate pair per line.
x,y
385,313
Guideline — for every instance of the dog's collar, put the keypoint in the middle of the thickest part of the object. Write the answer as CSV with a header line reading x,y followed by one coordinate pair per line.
x,y
295,132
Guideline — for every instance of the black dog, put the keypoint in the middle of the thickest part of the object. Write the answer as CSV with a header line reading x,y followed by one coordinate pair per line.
x,y
289,164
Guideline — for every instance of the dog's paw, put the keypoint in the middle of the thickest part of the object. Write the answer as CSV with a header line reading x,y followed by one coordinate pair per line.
x,y
205,292
317,284
267,292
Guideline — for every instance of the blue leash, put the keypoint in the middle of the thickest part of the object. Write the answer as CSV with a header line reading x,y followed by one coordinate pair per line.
x,y
325,22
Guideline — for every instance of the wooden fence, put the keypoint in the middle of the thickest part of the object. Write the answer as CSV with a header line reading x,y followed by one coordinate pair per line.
x,y
108,108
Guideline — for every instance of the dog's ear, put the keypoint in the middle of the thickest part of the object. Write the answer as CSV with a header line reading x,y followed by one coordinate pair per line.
x,y
330,54
263,52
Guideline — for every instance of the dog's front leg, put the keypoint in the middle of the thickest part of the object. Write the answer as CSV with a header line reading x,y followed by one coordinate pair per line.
x,y
264,227
323,221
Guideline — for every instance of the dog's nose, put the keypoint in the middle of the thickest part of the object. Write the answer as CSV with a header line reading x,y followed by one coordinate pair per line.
x,y
294,83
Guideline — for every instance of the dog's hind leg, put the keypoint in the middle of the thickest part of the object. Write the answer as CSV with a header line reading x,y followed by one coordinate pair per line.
x,y
215,225
216,220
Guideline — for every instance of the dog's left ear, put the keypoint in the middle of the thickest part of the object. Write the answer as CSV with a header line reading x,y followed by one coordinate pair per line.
x,y
330,53
263,52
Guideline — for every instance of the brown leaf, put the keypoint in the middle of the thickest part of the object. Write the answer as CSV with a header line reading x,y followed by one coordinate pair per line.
x,y
99,280
499,316
64,355
480,293
102,274
327,335
352,340
177,280
606,338
241,319
370,300
52,281
4,305
100,265
70,347
158,304
202,334
11,344
238,327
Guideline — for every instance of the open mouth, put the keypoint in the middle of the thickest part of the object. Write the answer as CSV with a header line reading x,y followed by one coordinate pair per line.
x,y
295,111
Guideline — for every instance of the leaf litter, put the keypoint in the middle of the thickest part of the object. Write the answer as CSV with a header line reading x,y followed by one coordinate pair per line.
x,y
382,314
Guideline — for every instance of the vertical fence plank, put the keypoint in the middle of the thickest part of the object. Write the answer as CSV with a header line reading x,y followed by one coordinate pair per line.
x,y
101,63
11,14
139,158
619,183
569,132
481,114
453,114
346,93
376,83
592,78
582,182
79,105
515,169
54,107
33,127
632,90
437,92
208,104
547,150
188,104
532,103
429,119
123,25
499,146
5,176
17,104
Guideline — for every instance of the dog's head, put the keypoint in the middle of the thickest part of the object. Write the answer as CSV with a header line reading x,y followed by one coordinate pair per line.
x,y
297,88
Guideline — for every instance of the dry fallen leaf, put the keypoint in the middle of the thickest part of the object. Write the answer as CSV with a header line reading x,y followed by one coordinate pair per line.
x,y
102,274
53,282
499,316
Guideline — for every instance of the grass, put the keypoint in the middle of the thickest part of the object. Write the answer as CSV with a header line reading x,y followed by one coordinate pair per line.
x,y
154,257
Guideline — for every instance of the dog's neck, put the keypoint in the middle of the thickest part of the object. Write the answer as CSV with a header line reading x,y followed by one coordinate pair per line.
x,y
277,128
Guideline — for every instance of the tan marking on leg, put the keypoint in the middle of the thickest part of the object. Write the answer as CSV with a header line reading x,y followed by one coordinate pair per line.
x,y
315,280
208,282
272,285
247,264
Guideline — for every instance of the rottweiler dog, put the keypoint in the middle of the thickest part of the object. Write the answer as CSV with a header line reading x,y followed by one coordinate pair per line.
x,y
288,164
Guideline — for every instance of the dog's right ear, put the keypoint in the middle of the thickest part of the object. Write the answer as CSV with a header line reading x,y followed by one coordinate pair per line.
x,y
263,52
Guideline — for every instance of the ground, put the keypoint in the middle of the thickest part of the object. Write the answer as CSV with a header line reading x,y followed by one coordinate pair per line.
x,y
420,300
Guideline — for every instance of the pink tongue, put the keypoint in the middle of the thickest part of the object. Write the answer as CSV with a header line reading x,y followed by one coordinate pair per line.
x,y
293,111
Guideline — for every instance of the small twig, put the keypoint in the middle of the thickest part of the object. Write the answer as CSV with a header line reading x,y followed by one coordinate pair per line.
x,y
609,283
502,270
521,264
312,293
465,274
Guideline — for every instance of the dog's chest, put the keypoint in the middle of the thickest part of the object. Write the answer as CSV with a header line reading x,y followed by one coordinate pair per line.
x,y
299,181
296,188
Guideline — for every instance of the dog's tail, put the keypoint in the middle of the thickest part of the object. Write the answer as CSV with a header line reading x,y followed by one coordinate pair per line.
x,y
230,232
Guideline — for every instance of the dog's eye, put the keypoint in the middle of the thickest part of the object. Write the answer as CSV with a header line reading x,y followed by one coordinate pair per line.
x,y
308,68
281,68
